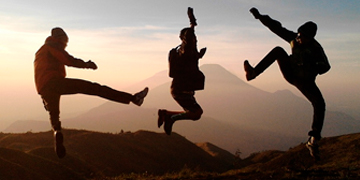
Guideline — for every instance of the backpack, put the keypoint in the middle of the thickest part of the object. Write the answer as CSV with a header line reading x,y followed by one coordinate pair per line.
x,y
322,63
183,79
323,66
174,62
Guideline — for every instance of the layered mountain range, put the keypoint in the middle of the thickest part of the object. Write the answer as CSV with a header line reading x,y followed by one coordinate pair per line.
x,y
237,116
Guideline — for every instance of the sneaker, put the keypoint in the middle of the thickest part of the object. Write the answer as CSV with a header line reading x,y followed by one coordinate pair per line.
x,y
250,72
161,118
59,147
139,97
313,147
168,124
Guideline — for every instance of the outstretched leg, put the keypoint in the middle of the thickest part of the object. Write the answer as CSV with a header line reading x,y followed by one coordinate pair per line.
x,y
74,86
277,54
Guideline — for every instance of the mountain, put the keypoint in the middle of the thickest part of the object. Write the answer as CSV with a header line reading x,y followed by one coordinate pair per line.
x,y
28,125
93,154
237,116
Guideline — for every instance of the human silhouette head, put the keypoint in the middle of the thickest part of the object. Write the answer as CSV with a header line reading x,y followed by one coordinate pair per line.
x,y
306,33
59,33
188,37
308,29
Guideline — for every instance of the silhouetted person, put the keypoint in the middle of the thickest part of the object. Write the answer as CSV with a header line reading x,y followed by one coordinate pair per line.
x,y
51,83
187,78
300,69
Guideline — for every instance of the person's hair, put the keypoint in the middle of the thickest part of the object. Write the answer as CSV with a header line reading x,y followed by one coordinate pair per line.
x,y
185,35
57,32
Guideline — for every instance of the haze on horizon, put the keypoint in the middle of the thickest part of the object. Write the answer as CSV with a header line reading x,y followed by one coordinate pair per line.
x,y
130,40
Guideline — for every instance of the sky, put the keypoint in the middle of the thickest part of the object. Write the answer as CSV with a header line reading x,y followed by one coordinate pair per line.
x,y
129,40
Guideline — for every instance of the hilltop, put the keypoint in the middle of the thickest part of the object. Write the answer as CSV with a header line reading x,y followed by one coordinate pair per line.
x,y
94,154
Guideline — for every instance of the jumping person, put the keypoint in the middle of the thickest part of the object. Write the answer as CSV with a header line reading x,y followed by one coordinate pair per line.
x,y
187,78
300,69
51,82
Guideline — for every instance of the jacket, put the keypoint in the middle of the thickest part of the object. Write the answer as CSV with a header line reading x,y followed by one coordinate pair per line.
x,y
50,61
307,60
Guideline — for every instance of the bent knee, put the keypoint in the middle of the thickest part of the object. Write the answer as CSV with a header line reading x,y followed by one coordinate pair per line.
x,y
320,105
319,101
195,115
279,49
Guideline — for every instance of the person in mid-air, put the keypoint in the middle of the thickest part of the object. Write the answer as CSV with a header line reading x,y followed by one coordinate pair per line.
x,y
300,69
187,78
51,82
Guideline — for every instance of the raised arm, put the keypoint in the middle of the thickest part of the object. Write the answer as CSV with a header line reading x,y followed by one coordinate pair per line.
x,y
193,23
69,60
274,26
192,18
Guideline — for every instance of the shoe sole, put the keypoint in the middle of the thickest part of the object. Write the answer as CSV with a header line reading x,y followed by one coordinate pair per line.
x,y
144,92
142,95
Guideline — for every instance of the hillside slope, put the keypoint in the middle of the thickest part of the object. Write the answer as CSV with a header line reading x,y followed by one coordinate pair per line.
x,y
95,155
92,154
340,159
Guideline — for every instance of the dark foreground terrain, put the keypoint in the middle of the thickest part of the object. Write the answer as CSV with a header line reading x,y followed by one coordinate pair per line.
x,y
148,155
